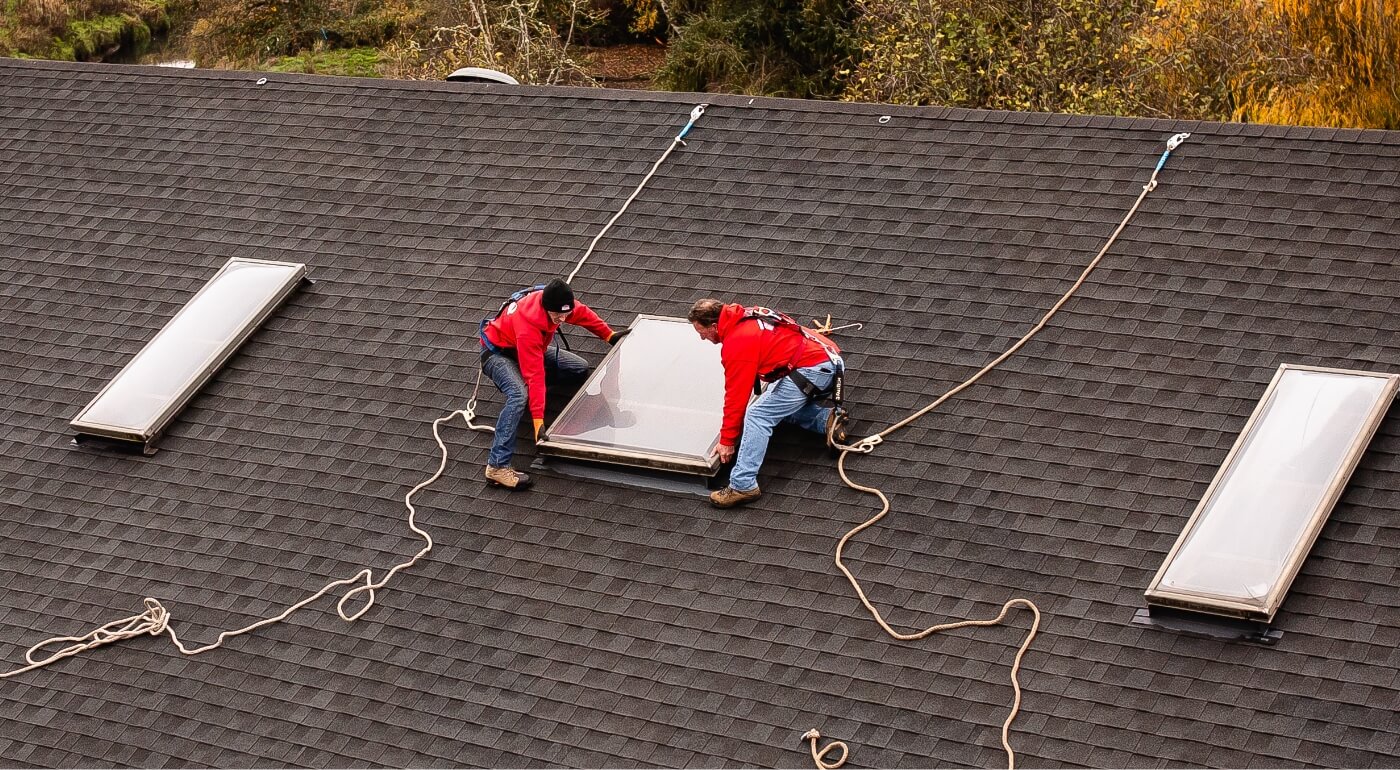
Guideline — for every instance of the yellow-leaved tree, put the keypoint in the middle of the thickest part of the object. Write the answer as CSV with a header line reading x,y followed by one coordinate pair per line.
x,y
1299,62
1356,82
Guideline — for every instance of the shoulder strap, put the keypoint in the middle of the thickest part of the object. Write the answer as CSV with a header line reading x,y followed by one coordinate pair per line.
x,y
759,313
516,297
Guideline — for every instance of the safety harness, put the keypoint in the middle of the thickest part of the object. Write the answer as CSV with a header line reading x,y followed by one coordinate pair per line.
x,y
789,370
514,298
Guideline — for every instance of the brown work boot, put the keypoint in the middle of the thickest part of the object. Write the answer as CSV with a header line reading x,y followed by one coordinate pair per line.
x,y
730,497
507,477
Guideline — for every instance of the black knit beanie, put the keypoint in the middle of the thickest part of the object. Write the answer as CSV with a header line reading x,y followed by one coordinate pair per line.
x,y
557,297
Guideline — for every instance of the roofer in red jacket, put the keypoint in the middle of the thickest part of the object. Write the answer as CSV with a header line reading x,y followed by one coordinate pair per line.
x,y
516,355
759,344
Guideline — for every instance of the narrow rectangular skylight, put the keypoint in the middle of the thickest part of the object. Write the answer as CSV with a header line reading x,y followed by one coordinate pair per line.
x,y
1249,535
150,390
654,401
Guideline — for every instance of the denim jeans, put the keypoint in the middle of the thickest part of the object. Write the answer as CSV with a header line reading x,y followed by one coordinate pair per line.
x,y
560,367
783,401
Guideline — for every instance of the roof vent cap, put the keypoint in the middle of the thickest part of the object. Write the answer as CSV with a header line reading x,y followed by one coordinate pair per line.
x,y
482,75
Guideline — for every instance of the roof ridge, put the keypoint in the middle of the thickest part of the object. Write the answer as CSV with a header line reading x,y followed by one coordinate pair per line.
x,y
925,112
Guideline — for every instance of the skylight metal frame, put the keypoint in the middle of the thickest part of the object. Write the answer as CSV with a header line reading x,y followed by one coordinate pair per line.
x,y
1225,606
657,460
147,432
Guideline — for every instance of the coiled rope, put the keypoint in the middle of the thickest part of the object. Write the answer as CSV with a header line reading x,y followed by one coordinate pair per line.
x,y
155,620
868,444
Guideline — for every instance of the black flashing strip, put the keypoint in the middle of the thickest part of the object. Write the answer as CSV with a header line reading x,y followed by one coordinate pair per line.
x,y
1207,626
687,484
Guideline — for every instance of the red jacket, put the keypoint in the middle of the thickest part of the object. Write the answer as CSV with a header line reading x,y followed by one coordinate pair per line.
x,y
525,326
750,349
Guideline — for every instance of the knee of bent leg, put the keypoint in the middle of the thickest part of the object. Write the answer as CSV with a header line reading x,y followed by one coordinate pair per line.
x,y
578,372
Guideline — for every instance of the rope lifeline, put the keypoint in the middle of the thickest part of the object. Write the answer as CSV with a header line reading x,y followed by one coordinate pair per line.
x,y
868,444
695,114
155,619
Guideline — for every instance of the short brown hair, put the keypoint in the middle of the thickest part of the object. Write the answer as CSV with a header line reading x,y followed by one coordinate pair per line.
x,y
705,312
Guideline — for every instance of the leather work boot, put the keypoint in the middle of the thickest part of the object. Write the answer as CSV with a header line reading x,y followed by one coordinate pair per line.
x,y
507,477
730,497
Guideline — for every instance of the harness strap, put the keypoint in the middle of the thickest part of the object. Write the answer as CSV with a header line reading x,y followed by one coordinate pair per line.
x,y
813,393
759,313
514,298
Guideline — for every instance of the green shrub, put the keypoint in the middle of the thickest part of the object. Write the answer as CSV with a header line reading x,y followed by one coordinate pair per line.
x,y
361,62
774,47
1053,55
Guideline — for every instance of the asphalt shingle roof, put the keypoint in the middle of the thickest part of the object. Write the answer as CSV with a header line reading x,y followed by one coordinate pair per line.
x,y
584,624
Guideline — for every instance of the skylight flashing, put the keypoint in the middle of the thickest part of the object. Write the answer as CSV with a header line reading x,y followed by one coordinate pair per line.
x,y
1248,537
141,400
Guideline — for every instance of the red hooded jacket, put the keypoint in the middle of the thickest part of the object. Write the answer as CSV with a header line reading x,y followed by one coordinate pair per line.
x,y
750,349
525,326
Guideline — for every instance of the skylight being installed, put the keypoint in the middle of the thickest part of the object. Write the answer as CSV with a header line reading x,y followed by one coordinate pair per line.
x,y
655,401
1246,540
150,390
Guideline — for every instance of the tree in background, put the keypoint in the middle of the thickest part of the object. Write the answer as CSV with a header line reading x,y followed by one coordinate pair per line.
x,y
1217,59
773,47
1355,48
1049,55
529,39
83,30
245,32
1203,59
1308,62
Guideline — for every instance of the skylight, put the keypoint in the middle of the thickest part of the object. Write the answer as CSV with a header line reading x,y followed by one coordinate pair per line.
x,y
655,401
150,390
1246,540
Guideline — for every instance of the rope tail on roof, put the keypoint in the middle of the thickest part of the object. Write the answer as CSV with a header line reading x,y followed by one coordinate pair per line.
x,y
868,444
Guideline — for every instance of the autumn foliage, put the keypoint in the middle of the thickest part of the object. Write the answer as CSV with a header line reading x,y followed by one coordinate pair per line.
x,y
1310,62
1314,62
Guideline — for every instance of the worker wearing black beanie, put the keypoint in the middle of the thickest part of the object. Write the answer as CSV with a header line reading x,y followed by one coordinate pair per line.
x,y
515,354
557,297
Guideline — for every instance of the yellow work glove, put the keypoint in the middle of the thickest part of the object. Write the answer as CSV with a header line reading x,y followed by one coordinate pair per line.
x,y
538,424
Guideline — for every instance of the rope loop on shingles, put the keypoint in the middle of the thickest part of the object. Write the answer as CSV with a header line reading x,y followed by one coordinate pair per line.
x,y
155,620
867,445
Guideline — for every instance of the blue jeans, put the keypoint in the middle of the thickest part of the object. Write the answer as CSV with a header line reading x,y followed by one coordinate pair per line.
x,y
783,401
560,367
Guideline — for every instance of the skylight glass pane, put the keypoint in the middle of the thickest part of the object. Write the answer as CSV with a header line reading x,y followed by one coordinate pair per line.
x,y
185,353
656,400
1246,540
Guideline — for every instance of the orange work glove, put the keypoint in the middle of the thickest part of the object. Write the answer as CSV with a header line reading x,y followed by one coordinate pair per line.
x,y
538,424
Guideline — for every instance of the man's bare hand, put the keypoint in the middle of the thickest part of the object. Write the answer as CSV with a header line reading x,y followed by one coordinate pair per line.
x,y
724,453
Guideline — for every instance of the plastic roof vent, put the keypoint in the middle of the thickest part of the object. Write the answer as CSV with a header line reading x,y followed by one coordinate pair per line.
x,y
481,75
1249,535
154,386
